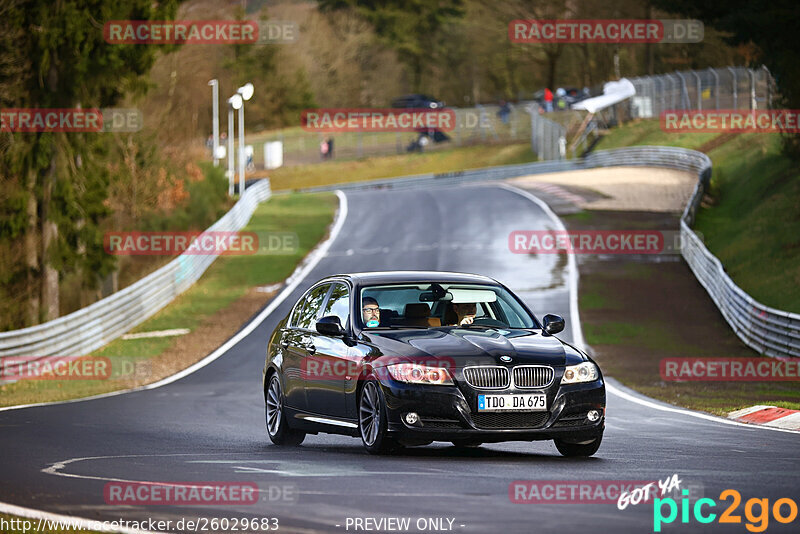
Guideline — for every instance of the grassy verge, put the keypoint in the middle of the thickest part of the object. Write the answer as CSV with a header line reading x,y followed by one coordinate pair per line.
x,y
220,301
636,313
750,219
648,132
313,175
631,336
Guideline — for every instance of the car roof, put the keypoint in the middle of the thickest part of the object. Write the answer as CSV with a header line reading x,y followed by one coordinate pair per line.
x,y
388,277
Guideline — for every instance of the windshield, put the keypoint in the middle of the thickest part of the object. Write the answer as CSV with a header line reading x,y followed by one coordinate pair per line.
x,y
441,305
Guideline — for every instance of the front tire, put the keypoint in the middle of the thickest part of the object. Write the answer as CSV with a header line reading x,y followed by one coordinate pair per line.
x,y
372,420
277,427
578,449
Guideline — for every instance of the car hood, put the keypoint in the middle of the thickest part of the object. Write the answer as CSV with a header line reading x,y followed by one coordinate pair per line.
x,y
471,346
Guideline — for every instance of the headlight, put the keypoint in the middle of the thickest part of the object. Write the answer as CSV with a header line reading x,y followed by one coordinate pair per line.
x,y
420,374
583,372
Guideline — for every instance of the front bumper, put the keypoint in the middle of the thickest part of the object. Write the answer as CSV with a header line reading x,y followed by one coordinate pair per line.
x,y
448,412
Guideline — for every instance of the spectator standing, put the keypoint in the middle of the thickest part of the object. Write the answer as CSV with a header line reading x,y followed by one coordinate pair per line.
x,y
548,100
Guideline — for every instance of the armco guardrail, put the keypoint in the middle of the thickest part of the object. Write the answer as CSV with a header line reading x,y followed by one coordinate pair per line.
x,y
769,331
92,327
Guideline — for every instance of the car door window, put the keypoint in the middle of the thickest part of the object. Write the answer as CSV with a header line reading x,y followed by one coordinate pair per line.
x,y
338,303
296,313
310,307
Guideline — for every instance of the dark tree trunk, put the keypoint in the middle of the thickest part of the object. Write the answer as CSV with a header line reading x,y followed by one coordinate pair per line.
x,y
49,229
33,291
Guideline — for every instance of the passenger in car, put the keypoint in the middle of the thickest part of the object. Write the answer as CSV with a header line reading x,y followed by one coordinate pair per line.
x,y
371,312
464,313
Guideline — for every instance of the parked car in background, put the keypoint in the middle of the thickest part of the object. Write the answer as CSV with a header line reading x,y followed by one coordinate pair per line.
x,y
417,101
425,136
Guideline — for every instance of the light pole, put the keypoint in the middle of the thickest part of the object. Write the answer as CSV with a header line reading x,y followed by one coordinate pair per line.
x,y
234,102
215,119
245,92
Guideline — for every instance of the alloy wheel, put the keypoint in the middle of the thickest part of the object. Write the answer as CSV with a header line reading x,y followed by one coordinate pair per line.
x,y
370,414
274,406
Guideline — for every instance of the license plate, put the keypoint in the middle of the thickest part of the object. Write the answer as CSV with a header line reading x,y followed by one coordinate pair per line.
x,y
528,402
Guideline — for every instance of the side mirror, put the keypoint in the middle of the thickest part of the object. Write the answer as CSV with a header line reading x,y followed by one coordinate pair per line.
x,y
553,324
330,326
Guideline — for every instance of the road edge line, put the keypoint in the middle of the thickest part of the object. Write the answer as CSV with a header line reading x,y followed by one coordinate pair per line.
x,y
68,522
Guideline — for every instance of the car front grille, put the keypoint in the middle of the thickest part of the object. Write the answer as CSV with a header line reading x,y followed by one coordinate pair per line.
x,y
510,420
487,377
437,422
533,376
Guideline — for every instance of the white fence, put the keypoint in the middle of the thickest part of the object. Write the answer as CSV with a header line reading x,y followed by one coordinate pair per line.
x,y
728,88
90,328
769,331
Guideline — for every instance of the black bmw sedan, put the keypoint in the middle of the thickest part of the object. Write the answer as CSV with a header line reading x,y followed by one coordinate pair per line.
x,y
405,358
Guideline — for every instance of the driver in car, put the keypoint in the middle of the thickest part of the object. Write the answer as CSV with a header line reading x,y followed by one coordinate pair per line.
x,y
371,312
466,312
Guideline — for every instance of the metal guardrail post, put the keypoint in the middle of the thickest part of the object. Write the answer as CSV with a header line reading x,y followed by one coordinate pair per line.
x,y
699,91
716,87
768,81
735,86
752,74
684,92
653,105
674,91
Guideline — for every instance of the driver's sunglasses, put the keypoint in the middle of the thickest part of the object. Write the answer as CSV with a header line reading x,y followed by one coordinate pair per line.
x,y
371,310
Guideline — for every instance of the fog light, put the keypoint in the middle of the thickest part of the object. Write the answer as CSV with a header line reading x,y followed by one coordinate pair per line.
x,y
593,415
412,418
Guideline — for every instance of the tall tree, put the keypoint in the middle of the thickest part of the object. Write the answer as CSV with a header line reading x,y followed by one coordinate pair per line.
x,y
62,61
410,27
771,26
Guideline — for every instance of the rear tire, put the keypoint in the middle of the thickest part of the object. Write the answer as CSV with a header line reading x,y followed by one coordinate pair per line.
x,y
277,425
578,449
372,420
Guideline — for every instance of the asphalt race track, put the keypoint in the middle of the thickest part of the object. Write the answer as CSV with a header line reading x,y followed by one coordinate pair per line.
x,y
209,425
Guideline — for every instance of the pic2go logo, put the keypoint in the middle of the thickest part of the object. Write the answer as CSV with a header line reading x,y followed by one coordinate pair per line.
x,y
702,513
